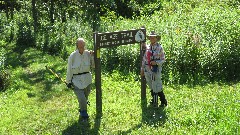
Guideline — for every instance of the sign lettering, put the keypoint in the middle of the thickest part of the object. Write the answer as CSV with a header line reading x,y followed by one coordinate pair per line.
x,y
120,38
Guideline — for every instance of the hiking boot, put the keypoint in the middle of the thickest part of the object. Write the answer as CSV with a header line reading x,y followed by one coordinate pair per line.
x,y
163,104
84,114
152,100
162,99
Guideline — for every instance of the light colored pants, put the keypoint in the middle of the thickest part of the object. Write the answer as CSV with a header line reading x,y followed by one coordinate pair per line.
x,y
82,96
154,80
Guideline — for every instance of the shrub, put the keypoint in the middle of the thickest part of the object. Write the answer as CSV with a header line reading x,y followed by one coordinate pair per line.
x,y
201,42
25,34
7,28
60,38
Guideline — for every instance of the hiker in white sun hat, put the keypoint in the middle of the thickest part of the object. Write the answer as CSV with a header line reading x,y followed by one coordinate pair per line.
x,y
153,60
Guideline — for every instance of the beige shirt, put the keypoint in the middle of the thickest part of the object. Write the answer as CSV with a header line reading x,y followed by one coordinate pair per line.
x,y
79,63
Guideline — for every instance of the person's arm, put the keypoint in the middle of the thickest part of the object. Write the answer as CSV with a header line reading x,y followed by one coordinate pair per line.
x,y
92,59
69,70
162,57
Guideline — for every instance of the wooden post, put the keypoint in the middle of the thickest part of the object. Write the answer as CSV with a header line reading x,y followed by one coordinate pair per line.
x,y
143,79
97,76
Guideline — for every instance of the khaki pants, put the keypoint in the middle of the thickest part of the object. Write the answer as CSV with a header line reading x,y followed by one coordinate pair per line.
x,y
82,96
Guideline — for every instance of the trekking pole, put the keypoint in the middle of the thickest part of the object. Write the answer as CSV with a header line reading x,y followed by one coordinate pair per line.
x,y
56,75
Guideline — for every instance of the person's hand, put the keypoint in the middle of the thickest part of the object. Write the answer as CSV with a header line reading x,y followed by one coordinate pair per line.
x,y
69,85
153,63
143,45
91,52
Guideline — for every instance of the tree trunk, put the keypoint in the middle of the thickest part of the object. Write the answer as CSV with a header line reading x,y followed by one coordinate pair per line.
x,y
34,14
52,11
6,8
65,4
96,16
11,9
11,12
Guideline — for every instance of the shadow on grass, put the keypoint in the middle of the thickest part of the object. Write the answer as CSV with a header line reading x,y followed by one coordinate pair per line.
x,y
153,117
42,79
83,127
21,56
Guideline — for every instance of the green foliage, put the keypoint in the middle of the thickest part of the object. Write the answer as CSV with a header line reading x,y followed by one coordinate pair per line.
x,y
124,59
148,8
60,38
221,40
201,44
25,33
200,38
6,28
50,39
198,43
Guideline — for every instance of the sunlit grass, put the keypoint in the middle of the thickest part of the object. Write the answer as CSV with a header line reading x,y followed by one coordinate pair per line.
x,y
37,103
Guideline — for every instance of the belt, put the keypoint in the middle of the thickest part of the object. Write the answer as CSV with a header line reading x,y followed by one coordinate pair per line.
x,y
81,73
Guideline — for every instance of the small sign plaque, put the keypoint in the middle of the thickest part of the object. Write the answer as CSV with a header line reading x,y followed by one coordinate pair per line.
x,y
120,38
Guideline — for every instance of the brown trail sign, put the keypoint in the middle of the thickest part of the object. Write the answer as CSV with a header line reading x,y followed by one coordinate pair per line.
x,y
110,39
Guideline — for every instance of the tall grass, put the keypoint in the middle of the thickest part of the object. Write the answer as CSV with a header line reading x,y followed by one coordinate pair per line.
x,y
201,40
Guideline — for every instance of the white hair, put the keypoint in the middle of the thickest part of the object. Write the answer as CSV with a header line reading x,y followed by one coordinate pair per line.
x,y
80,39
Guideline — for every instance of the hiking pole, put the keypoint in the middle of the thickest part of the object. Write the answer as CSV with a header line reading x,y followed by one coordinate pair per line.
x,y
56,75
60,78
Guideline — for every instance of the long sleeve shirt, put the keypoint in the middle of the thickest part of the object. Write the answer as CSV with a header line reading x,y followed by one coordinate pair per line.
x,y
153,53
80,63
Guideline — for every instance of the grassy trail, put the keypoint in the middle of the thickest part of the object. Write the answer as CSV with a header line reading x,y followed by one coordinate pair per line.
x,y
37,103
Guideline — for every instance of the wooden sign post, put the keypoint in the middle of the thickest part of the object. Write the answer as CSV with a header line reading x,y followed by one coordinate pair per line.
x,y
110,39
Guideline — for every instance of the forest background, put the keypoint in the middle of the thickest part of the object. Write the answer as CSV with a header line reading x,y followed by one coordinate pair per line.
x,y
200,38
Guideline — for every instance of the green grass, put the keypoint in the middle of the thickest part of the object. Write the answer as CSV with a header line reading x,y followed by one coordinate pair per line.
x,y
37,103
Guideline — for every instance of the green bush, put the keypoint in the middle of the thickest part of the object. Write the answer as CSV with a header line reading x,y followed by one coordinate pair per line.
x,y
25,33
123,58
221,35
200,38
60,38
201,43
7,28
